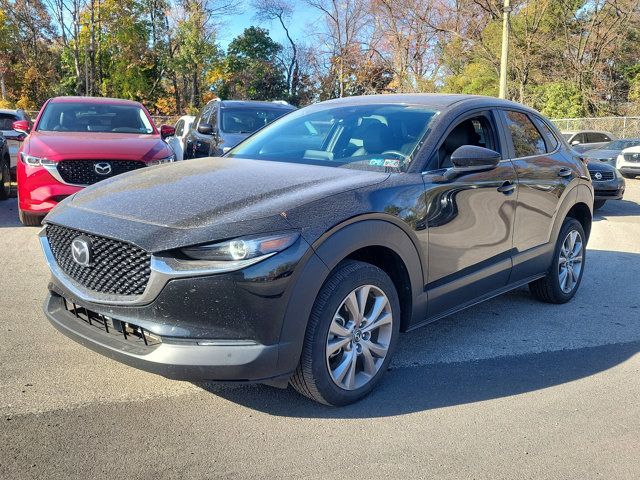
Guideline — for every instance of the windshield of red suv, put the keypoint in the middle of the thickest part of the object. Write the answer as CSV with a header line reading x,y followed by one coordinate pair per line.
x,y
378,137
91,117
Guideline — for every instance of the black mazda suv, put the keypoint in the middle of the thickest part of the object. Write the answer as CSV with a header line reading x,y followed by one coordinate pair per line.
x,y
301,255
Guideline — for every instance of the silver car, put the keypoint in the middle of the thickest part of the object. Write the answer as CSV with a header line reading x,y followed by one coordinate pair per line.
x,y
7,117
583,140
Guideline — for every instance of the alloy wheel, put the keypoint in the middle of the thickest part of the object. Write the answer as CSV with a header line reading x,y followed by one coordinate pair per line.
x,y
359,337
570,261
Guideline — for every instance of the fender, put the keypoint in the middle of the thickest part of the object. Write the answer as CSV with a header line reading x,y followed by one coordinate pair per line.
x,y
329,250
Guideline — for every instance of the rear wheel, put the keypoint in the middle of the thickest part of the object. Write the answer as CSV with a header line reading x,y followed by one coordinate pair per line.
x,y
598,204
5,179
563,279
350,337
30,220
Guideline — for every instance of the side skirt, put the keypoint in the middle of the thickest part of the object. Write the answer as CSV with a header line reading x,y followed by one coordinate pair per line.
x,y
476,301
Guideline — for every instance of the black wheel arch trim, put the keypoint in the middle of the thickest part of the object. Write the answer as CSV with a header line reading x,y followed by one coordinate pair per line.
x,y
329,250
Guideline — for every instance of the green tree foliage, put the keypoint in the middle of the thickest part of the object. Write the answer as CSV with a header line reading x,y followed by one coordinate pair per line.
x,y
250,69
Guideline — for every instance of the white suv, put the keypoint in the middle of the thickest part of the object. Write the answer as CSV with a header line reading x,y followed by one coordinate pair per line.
x,y
628,162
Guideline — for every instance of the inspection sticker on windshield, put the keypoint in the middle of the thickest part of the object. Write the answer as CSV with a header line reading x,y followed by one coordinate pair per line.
x,y
377,162
392,163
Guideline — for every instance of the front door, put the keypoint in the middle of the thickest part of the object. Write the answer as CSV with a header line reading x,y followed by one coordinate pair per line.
x,y
470,220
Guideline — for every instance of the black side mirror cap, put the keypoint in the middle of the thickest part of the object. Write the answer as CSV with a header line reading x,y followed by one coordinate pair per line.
x,y
469,158
205,129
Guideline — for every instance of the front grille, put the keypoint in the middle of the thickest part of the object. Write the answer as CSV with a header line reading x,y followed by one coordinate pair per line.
x,y
124,330
83,172
117,268
605,176
632,157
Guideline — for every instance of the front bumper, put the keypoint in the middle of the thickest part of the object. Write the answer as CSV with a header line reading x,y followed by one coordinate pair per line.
x,y
177,359
246,325
609,190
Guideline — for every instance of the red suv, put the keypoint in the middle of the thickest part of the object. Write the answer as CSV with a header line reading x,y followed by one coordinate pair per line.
x,y
78,141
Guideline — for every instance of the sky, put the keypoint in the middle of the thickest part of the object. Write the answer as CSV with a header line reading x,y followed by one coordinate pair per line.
x,y
234,25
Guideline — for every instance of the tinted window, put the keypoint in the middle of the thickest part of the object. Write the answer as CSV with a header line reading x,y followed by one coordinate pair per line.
x,y
473,131
366,137
88,117
527,140
6,120
595,137
552,141
248,120
205,114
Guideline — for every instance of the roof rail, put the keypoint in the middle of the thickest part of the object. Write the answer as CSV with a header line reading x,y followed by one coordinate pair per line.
x,y
281,102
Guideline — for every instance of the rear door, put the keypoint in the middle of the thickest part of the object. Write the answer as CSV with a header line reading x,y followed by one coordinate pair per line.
x,y
543,176
469,218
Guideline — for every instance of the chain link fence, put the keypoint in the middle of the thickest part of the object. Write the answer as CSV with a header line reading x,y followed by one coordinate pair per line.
x,y
621,127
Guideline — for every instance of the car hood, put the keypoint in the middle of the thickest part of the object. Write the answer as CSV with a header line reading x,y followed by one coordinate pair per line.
x,y
601,153
69,145
197,201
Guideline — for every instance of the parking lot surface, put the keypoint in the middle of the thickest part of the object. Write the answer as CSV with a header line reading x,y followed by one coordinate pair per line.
x,y
511,388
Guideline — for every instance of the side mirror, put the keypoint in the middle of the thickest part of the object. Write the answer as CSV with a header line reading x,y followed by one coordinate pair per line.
x,y
205,129
469,158
167,131
22,126
575,142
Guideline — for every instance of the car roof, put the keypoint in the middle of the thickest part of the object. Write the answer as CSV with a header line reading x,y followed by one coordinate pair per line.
x,y
573,132
435,100
253,103
95,100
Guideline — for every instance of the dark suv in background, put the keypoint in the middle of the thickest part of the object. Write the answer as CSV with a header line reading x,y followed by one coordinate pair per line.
x,y
222,124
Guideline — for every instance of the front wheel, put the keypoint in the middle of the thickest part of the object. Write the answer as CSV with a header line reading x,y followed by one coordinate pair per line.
x,y
351,335
563,278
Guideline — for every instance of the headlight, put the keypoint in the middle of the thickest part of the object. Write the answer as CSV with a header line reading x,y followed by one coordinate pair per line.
x,y
35,161
240,249
619,160
160,161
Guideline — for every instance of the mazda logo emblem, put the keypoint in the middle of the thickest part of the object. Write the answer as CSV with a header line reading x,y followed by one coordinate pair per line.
x,y
598,176
81,251
102,168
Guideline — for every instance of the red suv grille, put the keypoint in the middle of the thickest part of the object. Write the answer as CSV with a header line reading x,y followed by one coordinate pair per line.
x,y
85,172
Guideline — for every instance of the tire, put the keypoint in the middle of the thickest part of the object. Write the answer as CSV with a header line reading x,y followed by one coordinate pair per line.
x,y
628,175
318,373
551,288
598,204
5,179
29,220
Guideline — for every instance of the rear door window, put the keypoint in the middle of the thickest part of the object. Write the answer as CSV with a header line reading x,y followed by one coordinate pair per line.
x,y
527,140
597,137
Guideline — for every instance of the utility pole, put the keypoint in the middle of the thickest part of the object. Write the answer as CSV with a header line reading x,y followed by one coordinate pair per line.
x,y
506,11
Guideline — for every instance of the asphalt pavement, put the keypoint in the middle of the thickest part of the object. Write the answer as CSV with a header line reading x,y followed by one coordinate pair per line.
x,y
511,388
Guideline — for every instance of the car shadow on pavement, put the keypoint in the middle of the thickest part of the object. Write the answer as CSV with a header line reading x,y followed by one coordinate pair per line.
x,y
617,208
507,346
414,389
9,213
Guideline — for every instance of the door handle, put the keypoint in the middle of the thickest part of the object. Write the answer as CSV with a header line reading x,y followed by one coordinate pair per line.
x,y
565,172
507,187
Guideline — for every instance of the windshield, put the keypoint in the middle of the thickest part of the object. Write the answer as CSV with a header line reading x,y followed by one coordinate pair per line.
x,y
621,144
92,117
248,120
365,137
